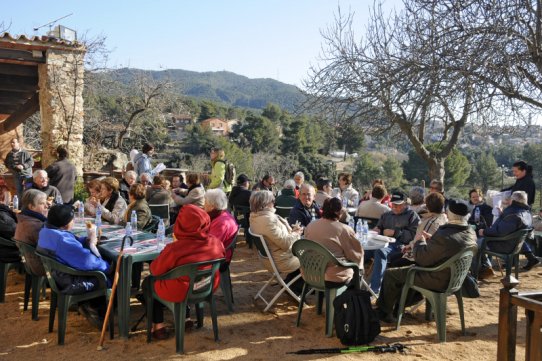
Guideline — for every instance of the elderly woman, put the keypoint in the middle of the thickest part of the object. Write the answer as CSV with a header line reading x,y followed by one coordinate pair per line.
x,y
223,225
193,195
277,233
194,243
345,190
338,238
29,223
94,188
138,203
113,205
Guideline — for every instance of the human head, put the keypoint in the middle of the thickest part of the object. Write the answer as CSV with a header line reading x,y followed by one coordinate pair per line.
x,y
61,216
520,169
268,180
191,221
15,144
457,211
40,178
35,201
417,195
331,209
94,187
148,149
217,154
130,177
166,184
324,185
434,202
145,179
176,181
137,191
289,184
475,196
260,200
345,179
243,180
158,180
215,199
109,185
436,186
378,181
520,197
192,179
306,194
299,178
378,192
398,202
61,152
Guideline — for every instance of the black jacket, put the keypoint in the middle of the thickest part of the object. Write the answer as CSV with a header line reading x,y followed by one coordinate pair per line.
x,y
486,216
527,185
240,196
515,217
303,215
8,223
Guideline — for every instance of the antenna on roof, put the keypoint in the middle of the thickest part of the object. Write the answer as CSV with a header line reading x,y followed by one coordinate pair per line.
x,y
52,22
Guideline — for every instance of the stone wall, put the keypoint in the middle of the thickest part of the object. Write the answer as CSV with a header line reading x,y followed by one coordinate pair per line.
x,y
61,81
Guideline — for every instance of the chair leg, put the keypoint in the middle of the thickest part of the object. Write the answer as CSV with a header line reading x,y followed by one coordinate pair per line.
x,y
226,287
320,300
4,268
500,266
440,315
52,310
516,263
179,315
301,303
428,311
63,305
149,304
27,288
36,283
401,308
200,316
459,297
330,295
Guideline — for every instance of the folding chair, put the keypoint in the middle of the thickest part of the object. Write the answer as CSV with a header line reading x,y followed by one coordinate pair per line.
x,y
265,255
161,211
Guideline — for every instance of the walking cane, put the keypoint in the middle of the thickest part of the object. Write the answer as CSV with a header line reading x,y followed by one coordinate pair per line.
x,y
113,290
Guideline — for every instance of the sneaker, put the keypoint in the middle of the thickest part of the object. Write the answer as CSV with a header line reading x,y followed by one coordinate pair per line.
x,y
530,264
486,273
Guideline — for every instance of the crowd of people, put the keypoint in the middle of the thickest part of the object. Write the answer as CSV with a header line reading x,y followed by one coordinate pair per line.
x,y
428,228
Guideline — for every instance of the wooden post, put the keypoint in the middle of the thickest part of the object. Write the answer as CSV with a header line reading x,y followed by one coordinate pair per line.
x,y
506,347
533,336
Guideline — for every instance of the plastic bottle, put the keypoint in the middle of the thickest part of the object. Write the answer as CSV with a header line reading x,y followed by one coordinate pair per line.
x,y
133,221
477,215
15,202
98,220
58,199
160,235
351,223
128,229
81,211
365,231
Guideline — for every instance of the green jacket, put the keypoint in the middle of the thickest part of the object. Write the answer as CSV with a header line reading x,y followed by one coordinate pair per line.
x,y
217,177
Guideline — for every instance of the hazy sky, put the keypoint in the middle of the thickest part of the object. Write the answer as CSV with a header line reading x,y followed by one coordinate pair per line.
x,y
256,38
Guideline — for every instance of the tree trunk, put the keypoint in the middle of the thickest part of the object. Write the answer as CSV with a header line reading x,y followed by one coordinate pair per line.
x,y
436,169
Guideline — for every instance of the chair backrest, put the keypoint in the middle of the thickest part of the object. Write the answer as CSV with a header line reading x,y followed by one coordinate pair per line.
x,y
160,210
314,260
6,242
284,212
26,249
201,276
153,225
517,237
233,243
459,267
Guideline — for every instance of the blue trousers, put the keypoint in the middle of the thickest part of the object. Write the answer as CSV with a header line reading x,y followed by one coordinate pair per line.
x,y
380,263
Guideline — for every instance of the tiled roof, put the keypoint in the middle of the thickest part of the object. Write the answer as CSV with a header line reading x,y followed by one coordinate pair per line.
x,y
40,41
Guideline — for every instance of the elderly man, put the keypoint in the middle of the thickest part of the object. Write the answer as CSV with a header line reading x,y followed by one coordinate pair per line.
x,y
62,175
373,208
515,217
145,179
449,240
305,209
19,162
266,184
40,181
287,195
400,223
129,178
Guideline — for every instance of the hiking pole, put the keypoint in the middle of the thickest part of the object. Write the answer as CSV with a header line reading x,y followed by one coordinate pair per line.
x,y
113,291
396,347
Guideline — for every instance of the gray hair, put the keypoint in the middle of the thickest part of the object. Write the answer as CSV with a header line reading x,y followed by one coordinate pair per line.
x,y
32,197
130,174
300,174
259,200
217,199
520,197
289,184
39,172
307,186
417,195
146,175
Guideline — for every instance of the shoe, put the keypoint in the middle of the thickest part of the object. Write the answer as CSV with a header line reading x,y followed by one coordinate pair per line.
x,y
188,325
161,333
386,317
92,315
486,273
530,264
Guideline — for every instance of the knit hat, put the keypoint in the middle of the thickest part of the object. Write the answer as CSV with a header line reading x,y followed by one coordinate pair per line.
x,y
458,207
60,215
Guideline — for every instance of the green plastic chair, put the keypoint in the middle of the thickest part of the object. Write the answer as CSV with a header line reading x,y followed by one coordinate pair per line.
x,y
225,279
64,301
4,269
33,281
459,266
204,293
284,212
314,259
512,258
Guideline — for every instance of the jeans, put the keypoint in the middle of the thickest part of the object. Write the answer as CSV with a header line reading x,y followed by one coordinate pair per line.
x,y
380,264
19,180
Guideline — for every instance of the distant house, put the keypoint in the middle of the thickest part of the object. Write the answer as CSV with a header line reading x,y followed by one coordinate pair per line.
x,y
216,125
180,122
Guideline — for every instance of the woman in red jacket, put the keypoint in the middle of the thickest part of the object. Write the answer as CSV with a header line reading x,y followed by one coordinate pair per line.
x,y
193,244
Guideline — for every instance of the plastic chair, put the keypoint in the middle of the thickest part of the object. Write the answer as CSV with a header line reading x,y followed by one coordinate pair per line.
x,y
152,227
225,279
284,212
265,255
4,269
201,274
161,211
64,301
242,216
315,259
459,267
512,259
32,281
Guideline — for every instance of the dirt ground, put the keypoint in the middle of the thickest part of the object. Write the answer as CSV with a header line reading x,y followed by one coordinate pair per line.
x,y
250,334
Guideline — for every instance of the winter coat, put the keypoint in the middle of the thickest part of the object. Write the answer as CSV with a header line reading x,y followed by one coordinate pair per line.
x,y
515,217
62,175
303,215
224,227
29,225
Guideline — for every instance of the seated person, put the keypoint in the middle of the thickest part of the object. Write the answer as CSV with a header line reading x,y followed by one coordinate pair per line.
x,y
138,203
5,194
240,194
514,217
177,181
145,179
338,238
223,225
323,191
40,181
485,211
193,195
8,224
305,209
94,188
345,190
266,184
287,196
56,241
29,223
537,221
373,208
157,194
417,200
449,240
277,233
113,205
194,243
400,223
129,178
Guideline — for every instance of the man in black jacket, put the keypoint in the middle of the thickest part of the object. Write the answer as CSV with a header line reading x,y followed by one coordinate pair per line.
x,y
305,209
20,163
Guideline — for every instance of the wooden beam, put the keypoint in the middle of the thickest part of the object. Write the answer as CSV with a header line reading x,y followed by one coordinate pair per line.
x,y
79,48
18,87
12,100
16,95
19,116
20,70
21,55
20,62
8,108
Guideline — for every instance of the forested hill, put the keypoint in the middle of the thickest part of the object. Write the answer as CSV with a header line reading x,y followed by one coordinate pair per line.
x,y
224,86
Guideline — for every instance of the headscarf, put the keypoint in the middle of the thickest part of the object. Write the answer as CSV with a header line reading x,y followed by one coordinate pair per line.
x,y
192,224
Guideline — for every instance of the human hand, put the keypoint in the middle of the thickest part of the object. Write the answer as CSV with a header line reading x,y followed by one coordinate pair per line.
x,y
426,235
481,232
19,166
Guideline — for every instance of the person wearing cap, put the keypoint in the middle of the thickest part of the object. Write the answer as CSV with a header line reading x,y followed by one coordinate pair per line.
x,y
287,196
400,223
240,193
266,184
429,251
56,241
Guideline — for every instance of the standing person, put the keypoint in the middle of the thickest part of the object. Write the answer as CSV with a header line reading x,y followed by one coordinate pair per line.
x,y
266,184
142,161
19,162
5,195
62,174
524,180
218,173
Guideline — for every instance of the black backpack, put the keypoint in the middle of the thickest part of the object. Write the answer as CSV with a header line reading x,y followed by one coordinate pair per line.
x,y
230,175
356,323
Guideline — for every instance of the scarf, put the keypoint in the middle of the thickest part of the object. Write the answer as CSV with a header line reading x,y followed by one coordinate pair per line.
x,y
112,200
28,212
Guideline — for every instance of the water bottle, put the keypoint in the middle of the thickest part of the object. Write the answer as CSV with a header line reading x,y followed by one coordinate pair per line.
x,y
477,215
160,235
359,232
365,231
133,221
58,199
98,220
128,230
345,202
15,202
351,223
81,211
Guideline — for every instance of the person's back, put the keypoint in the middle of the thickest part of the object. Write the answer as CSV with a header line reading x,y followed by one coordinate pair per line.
x,y
372,208
62,175
8,224
158,195
286,199
240,196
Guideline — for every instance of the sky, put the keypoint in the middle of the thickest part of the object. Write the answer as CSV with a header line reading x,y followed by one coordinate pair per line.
x,y
277,39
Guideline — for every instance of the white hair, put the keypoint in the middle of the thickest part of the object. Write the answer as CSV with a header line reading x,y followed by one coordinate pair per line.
x,y
130,174
520,197
217,199
289,184
146,175
39,172
259,200
300,174
456,218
